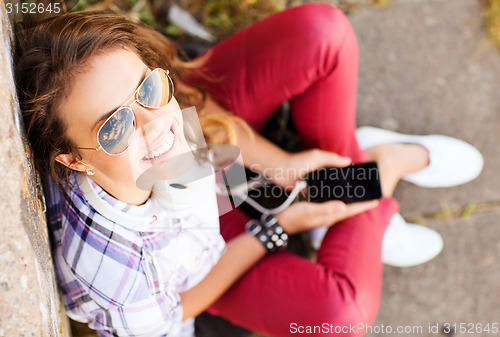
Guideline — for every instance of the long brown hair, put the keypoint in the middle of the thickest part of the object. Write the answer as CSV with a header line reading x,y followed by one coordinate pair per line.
x,y
50,54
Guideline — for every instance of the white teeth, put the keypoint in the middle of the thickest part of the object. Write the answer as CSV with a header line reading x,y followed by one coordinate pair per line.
x,y
164,148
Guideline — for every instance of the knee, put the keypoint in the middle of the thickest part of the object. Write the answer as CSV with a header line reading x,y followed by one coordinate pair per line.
x,y
323,23
323,32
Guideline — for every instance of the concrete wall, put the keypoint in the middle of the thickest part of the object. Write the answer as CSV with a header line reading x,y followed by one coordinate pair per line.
x,y
29,300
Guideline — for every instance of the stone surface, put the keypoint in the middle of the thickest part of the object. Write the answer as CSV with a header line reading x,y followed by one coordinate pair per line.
x,y
459,286
427,66
30,304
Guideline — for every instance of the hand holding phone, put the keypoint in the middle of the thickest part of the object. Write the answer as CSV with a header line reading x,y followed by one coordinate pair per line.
x,y
354,183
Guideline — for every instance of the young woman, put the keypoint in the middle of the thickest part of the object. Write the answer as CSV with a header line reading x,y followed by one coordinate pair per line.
x,y
101,100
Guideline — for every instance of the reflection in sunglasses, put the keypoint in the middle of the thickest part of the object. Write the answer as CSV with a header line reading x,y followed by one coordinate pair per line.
x,y
116,134
156,90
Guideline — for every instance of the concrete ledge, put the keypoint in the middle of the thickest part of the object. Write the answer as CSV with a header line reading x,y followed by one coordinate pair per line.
x,y
30,304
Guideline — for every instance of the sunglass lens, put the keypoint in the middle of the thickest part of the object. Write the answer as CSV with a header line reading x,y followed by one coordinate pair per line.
x,y
116,133
156,90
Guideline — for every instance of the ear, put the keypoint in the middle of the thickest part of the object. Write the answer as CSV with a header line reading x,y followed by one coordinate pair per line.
x,y
71,162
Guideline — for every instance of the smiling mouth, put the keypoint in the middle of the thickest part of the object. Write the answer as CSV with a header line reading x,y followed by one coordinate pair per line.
x,y
164,148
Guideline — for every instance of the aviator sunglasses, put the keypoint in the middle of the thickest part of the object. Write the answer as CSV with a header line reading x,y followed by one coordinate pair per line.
x,y
116,133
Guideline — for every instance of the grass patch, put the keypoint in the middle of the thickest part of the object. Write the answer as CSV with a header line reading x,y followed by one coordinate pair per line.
x,y
220,17
492,18
382,3
224,17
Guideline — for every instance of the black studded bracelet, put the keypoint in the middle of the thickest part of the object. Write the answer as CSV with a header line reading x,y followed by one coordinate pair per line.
x,y
269,232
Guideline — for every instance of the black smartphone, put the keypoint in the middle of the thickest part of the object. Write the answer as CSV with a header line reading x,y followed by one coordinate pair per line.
x,y
354,183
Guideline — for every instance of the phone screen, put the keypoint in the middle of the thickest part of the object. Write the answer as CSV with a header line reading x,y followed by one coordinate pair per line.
x,y
354,183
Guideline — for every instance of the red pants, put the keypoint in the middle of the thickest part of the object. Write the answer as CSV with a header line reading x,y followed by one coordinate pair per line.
x,y
307,55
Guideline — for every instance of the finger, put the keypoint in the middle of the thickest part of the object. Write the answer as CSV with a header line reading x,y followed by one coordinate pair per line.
x,y
325,213
333,159
356,208
321,158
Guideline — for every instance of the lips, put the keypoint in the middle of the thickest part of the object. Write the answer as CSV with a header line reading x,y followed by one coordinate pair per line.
x,y
164,148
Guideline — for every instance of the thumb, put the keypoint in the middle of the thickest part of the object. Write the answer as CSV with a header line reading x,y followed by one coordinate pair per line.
x,y
329,159
330,211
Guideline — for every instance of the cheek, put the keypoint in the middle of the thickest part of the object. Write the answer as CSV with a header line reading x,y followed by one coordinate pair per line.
x,y
118,168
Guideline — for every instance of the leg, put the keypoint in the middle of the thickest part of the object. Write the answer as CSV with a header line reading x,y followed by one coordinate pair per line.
x,y
342,288
308,55
325,114
282,58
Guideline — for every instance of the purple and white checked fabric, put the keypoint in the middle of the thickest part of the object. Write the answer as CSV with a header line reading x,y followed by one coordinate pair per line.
x,y
124,282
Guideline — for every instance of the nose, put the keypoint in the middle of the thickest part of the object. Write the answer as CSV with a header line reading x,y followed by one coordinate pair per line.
x,y
143,115
151,123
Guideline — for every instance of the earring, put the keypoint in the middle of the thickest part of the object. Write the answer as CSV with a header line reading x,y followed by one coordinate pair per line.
x,y
90,172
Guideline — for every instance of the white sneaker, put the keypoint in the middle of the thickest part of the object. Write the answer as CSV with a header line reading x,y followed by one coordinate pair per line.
x,y
451,161
404,244
407,244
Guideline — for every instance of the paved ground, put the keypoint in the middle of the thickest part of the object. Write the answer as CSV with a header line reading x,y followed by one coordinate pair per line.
x,y
427,67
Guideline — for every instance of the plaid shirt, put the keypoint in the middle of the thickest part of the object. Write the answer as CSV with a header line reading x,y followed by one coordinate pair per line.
x,y
124,277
